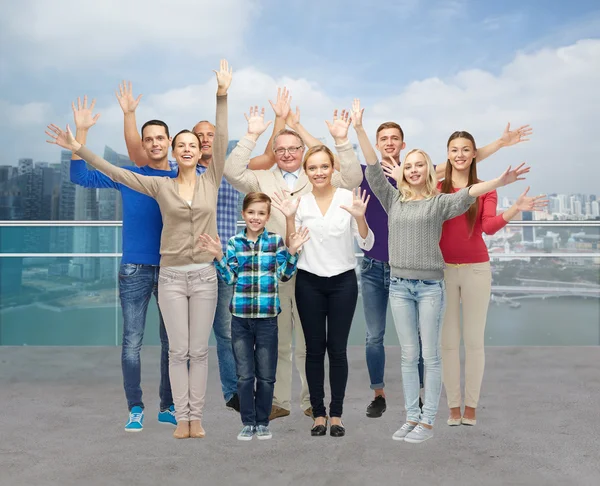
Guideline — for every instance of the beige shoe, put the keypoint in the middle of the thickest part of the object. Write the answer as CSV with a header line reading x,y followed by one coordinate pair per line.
x,y
183,430
277,412
466,421
196,430
453,422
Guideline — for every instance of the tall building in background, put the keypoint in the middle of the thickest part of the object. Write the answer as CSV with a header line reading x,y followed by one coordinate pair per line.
x,y
62,240
528,231
25,166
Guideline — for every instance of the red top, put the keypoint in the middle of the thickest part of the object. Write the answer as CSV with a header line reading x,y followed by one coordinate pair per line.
x,y
456,244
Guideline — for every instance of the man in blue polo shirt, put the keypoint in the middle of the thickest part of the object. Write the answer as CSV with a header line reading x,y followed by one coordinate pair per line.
x,y
138,273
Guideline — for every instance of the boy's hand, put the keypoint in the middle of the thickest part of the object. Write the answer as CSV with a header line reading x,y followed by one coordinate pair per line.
x,y
297,239
206,243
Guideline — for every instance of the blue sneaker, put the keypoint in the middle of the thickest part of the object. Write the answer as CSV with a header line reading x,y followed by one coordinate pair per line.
x,y
136,420
246,433
167,416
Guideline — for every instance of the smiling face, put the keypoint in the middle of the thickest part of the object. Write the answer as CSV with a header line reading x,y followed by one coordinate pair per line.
x,y
206,133
155,142
390,142
288,150
319,168
186,149
461,153
256,216
415,170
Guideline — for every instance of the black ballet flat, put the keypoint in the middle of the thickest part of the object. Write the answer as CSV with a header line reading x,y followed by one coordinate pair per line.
x,y
319,430
337,431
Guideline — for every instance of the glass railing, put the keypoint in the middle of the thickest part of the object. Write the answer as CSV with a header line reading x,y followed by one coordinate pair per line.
x,y
59,285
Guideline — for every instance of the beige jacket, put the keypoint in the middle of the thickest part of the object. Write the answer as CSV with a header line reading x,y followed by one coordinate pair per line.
x,y
268,181
182,224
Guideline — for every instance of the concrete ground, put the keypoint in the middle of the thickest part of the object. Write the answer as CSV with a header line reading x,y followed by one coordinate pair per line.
x,y
62,412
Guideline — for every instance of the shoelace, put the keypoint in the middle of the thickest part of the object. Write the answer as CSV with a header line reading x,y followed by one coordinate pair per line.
x,y
135,417
407,426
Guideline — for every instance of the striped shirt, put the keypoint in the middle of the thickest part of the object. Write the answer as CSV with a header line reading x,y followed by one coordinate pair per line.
x,y
256,268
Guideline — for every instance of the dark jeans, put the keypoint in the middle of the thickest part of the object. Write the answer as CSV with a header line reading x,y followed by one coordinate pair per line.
x,y
137,284
375,291
255,351
326,306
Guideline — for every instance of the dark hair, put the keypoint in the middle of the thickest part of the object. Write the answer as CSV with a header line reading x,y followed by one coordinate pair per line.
x,y
158,123
181,133
315,150
389,124
447,182
256,197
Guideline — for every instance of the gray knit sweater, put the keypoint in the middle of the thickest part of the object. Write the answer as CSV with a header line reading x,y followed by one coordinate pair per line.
x,y
415,227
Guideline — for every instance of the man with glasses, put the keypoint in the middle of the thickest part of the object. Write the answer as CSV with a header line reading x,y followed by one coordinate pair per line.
x,y
288,178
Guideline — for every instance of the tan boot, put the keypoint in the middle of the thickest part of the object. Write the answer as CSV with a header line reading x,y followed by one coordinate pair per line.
x,y
183,430
277,412
196,430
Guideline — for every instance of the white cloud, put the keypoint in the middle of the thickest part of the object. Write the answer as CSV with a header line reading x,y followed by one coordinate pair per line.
x,y
72,33
23,115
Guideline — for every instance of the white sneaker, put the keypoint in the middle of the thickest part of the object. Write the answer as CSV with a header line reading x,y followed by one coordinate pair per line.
x,y
418,434
403,431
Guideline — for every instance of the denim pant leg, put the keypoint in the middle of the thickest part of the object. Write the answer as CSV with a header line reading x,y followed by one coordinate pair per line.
x,y
222,330
431,302
164,391
242,339
375,283
136,284
265,365
404,310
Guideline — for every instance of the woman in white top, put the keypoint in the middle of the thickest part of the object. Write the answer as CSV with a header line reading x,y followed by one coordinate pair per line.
x,y
326,287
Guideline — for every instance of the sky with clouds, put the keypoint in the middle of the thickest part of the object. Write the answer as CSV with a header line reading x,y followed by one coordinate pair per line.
x,y
434,66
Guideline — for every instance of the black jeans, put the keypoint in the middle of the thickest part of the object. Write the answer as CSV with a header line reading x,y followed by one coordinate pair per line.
x,y
326,307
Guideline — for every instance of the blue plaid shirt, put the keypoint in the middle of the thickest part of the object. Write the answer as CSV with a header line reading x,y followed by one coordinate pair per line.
x,y
256,268
227,206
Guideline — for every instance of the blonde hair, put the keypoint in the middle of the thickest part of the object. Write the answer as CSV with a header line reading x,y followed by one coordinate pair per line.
x,y
406,191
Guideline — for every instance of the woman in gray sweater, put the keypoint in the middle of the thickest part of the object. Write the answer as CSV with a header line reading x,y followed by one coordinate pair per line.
x,y
416,212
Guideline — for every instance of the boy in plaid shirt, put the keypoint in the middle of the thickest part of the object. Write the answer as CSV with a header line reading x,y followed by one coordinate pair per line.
x,y
255,262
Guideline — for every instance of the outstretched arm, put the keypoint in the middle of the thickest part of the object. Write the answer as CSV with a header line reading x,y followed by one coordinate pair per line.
x,y
129,104
281,108
507,177
138,182
363,139
509,137
350,174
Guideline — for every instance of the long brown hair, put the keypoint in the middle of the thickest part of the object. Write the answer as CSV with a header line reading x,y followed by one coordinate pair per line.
x,y
447,186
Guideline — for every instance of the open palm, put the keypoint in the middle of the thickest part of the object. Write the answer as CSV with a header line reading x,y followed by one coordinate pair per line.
x,y
287,206
512,137
339,126
297,239
531,203
256,121
62,139
359,203
224,77
83,116
127,101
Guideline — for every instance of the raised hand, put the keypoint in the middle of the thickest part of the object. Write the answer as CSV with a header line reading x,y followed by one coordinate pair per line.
x,y
256,121
297,239
224,76
206,243
512,137
357,114
293,119
528,203
62,139
287,206
281,107
339,126
509,176
359,203
125,97
392,169
84,119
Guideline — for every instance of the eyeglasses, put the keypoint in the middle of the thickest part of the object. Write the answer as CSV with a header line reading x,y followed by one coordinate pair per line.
x,y
291,150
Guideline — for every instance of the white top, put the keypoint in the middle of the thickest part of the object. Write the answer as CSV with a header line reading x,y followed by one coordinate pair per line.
x,y
330,250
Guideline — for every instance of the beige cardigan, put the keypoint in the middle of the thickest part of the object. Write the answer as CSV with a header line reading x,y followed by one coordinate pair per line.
x,y
268,181
182,224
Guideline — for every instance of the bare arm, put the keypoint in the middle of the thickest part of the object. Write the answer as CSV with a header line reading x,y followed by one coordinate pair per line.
x,y
508,138
129,104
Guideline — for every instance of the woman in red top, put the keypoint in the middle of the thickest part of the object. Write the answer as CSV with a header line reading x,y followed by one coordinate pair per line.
x,y
468,275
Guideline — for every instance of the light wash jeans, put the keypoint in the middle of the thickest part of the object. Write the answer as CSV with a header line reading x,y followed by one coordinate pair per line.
x,y
418,306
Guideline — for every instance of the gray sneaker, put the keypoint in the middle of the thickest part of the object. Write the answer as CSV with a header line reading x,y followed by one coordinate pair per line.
x,y
418,434
403,431
246,433
263,432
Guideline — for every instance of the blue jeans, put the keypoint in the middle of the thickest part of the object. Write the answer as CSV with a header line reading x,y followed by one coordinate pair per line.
x,y
375,288
255,351
222,329
137,284
418,307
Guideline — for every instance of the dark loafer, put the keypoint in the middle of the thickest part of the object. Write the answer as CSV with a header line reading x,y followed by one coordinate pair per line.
x,y
337,431
318,430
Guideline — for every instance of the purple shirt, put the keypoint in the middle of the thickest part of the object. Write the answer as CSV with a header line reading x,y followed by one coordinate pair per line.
x,y
377,219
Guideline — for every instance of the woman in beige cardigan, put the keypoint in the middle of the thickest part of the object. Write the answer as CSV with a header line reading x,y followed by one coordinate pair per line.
x,y
187,288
